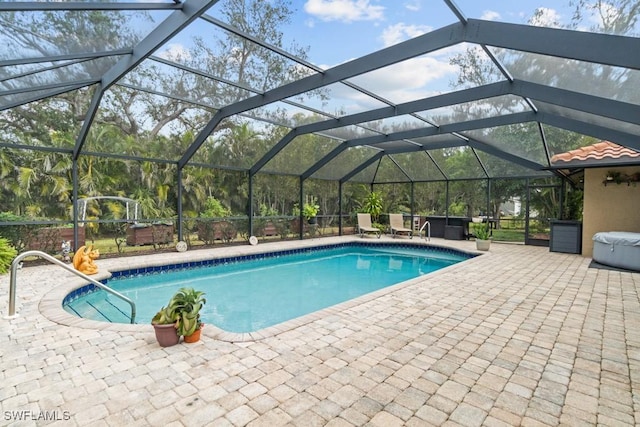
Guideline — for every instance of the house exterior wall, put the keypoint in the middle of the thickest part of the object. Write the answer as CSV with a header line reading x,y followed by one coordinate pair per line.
x,y
614,207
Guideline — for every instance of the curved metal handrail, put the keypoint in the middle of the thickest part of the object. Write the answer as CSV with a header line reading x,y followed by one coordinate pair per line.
x,y
40,254
428,235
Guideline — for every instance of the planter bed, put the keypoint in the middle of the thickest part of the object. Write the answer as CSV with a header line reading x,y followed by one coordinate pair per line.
x,y
49,239
149,234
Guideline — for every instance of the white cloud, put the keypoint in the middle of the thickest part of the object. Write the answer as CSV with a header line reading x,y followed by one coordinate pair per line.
x,y
344,10
408,80
175,51
490,15
399,32
413,6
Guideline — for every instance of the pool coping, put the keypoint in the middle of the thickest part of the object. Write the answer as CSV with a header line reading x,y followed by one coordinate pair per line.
x,y
50,305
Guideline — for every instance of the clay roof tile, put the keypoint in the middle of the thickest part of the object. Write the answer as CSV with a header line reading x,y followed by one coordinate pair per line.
x,y
599,151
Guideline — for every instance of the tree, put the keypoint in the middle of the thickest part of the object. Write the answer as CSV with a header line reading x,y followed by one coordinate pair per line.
x,y
130,122
476,68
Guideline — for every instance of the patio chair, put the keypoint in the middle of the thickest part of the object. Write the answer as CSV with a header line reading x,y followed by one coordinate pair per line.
x,y
396,223
364,225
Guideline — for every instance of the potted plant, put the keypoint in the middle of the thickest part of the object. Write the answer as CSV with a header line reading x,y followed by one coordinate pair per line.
x,y
483,238
310,211
164,324
187,303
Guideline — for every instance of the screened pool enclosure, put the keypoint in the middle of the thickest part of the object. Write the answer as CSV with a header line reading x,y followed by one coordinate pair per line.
x,y
226,112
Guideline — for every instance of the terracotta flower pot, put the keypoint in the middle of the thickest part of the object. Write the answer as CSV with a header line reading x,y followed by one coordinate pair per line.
x,y
167,335
194,337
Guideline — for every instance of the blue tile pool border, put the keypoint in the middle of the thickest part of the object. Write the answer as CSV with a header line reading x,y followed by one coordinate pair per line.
x,y
144,271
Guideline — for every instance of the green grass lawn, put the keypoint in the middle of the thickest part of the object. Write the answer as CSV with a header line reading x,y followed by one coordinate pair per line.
x,y
508,235
107,245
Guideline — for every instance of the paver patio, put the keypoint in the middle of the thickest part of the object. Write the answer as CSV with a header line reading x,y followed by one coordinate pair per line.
x,y
518,336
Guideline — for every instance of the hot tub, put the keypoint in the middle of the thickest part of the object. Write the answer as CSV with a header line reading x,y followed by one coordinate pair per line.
x,y
617,249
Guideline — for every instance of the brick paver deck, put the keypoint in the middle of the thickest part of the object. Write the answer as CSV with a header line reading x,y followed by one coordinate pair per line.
x,y
519,336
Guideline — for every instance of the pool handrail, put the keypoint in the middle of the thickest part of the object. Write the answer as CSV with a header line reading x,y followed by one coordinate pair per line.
x,y
427,236
16,263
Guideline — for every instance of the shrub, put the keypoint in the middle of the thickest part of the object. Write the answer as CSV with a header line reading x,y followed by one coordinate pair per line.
x,y
372,205
481,231
213,208
18,235
7,254
267,210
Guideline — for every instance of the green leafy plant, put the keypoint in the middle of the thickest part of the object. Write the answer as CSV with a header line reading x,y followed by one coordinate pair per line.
x,y
165,316
7,254
187,303
266,210
227,231
19,236
283,228
379,226
310,210
213,208
481,231
458,208
372,205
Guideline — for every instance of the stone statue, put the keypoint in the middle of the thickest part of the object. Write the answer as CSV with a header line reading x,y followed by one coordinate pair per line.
x,y
65,249
83,260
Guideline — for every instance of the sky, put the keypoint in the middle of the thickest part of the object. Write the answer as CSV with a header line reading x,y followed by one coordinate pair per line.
x,y
337,31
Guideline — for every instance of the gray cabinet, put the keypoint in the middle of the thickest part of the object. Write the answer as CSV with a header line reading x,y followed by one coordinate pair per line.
x,y
566,236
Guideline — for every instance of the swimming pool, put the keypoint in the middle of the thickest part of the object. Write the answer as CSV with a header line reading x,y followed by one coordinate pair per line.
x,y
249,293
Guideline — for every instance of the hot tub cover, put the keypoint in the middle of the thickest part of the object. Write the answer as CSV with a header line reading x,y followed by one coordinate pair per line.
x,y
624,238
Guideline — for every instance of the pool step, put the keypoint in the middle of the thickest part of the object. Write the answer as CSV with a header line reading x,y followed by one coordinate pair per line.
x,y
99,307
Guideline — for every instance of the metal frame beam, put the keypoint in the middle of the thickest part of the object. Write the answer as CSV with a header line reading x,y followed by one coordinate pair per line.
x,y
604,107
604,49
361,167
88,120
231,83
458,97
171,26
24,101
619,137
568,99
420,45
579,45
484,32
34,6
447,129
489,148
453,142
76,84
65,57
42,70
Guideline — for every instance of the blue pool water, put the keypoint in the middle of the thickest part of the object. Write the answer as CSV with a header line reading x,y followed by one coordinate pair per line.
x,y
248,295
